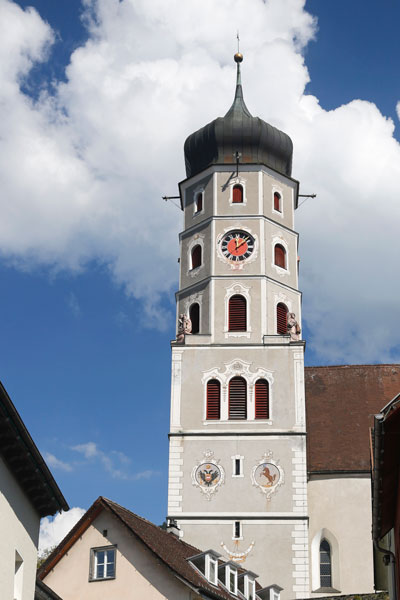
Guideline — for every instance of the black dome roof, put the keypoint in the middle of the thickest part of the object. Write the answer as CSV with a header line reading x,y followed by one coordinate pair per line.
x,y
257,142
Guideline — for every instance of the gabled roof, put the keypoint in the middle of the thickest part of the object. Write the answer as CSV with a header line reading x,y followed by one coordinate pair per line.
x,y
168,548
340,404
25,461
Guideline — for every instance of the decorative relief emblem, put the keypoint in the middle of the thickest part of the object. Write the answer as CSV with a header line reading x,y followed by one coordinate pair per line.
x,y
208,474
267,475
237,556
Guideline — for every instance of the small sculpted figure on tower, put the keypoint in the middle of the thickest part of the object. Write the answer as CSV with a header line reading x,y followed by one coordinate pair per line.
x,y
293,327
184,327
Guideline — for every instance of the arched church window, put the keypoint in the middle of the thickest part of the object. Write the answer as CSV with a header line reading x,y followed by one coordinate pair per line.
x,y
280,256
325,564
237,398
237,194
196,256
194,315
198,203
281,319
277,202
237,320
213,399
262,399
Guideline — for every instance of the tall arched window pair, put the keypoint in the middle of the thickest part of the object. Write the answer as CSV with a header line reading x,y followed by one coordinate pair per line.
x,y
237,399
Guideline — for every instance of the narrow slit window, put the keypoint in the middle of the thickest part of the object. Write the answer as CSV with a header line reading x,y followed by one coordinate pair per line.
x,y
237,194
262,399
281,318
325,565
277,202
237,530
237,466
213,399
198,203
237,398
280,256
196,257
194,315
237,320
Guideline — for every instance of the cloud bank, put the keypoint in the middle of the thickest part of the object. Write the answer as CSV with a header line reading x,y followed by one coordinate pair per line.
x,y
53,530
83,168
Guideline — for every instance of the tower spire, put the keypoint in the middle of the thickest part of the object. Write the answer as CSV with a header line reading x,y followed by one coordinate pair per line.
x,y
238,107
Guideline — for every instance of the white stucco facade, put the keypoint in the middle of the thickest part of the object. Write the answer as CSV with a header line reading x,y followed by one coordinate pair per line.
x,y
19,526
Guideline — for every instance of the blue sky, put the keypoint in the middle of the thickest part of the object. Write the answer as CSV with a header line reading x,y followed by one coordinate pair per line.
x,y
86,362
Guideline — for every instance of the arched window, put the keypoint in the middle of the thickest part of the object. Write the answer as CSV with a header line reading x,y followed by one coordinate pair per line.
x,y
237,194
198,203
277,202
237,320
194,315
213,399
196,257
325,565
237,398
280,256
262,399
281,319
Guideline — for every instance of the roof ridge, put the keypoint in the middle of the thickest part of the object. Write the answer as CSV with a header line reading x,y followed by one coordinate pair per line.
x,y
354,365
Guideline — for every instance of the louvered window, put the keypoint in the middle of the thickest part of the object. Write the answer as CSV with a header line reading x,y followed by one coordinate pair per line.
x,y
196,257
213,399
194,315
325,566
262,399
237,313
280,256
281,319
199,202
277,202
237,195
237,398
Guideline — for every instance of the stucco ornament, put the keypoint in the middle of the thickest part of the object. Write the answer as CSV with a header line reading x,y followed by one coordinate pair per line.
x,y
208,475
267,475
293,327
184,327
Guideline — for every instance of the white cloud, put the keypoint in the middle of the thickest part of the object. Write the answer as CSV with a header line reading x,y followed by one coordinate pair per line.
x,y
73,304
83,172
89,450
54,463
53,530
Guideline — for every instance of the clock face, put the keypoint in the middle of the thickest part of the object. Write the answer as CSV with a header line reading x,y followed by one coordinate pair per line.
x,y
237,245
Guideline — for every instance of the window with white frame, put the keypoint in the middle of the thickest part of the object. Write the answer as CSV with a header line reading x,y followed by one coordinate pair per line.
x,y
237,466
249,588
102,563
211,569
231,579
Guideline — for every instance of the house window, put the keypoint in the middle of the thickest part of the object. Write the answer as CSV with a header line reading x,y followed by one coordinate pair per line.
x,y
249,588
280,256
18,576
237,530
325,566
237,466
198,202
231,579
102,563
213,399
237,398
237,194
281,319
277,202
196,257
194,316
237,320
262,399
211,569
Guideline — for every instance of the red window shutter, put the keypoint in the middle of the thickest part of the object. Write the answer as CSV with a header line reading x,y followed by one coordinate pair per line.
x,y
194,315
237,196
280,256
196,257
262,399
213,399
281,319
277,202
199,202
237,320
237,398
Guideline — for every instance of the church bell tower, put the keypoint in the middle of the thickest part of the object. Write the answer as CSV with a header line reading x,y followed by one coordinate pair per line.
x,y
237,466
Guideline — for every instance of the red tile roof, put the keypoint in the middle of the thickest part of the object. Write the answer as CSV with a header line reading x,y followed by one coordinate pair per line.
x,y
171,550
340,404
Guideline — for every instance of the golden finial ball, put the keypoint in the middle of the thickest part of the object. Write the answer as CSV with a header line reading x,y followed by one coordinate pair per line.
x,y
238,57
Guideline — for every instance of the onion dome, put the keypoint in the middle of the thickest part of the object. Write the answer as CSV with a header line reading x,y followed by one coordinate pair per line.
x,y
256,141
